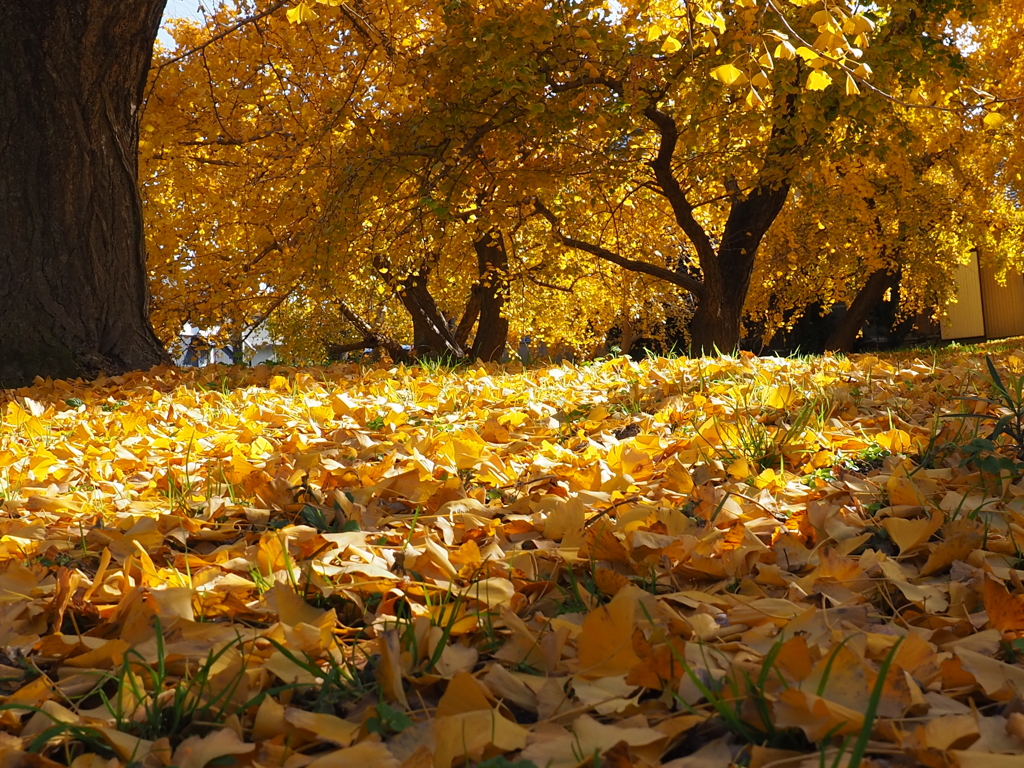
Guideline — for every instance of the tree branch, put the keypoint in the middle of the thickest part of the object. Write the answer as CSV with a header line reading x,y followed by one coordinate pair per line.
x,y
696,287
228,141
613,85
670,188
336,350
224,33
390,345
469,316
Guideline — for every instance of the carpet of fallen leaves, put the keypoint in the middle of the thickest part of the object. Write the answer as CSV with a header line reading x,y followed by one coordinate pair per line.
x,y
751,561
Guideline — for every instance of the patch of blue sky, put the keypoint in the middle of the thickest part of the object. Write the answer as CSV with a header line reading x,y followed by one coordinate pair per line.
x,y
179,9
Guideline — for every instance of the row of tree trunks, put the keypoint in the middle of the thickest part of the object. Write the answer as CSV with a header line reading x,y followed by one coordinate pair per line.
x,y
74,301
71,232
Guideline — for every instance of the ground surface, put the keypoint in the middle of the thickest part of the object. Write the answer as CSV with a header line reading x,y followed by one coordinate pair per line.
x,y
680,562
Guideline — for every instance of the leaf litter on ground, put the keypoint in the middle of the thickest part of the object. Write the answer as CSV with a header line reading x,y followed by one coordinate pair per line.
x,y
679,562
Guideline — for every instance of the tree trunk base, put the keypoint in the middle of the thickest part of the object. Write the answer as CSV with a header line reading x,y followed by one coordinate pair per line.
x,y
74,298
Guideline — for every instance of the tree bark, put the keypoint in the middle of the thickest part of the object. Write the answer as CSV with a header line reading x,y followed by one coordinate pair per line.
x,y
492,332
430,332
717,320
871,293
382,340
73,284
469,317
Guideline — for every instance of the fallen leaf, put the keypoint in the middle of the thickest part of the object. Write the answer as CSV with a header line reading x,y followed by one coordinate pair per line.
x,y
1005,611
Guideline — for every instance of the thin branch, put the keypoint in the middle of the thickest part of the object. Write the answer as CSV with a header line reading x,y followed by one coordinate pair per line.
x,y
262,318
696,287
341,349
545,284
224,33
390,345
225,141
367,29
615,86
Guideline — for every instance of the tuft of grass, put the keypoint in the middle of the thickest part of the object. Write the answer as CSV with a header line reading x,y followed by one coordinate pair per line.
x,y
766,436
387,721
729,696
341,680
1004,414
150,703
1007,399
861,744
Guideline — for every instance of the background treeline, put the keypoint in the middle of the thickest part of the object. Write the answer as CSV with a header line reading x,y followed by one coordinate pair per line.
x,y
455,176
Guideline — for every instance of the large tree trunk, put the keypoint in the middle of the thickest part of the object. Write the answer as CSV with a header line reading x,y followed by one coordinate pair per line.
x,y
718,318
868,297
431,336
73,292
492,332
714,326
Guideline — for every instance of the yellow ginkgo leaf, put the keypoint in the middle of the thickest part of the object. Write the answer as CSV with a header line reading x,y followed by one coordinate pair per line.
x,y
785,50
300,13
671,45
903,490
605,646
729,75
851,86
818,80
862,24
197,751
911,533
707,18
782,396
654,32
993,120
822,19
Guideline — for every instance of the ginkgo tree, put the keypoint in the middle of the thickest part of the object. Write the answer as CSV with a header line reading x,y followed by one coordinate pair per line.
x,y
73,280
863,227
233,139
630,156
734,127
385,228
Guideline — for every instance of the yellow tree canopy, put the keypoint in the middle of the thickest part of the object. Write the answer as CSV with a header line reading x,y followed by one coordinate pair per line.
x,y
333,162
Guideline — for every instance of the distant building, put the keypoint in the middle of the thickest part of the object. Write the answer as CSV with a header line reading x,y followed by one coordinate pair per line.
x,y
196,351
985,309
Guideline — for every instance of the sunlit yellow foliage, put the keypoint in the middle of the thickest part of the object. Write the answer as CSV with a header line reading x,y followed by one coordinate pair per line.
x,y
306,161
